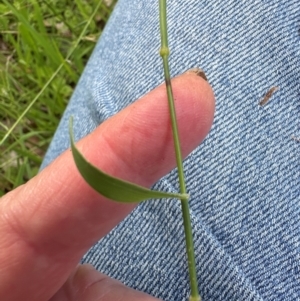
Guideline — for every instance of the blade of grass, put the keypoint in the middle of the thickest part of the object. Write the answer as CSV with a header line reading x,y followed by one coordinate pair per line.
x,y
21,171
38,16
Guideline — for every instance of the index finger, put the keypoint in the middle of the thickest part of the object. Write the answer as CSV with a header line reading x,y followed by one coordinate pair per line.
x,y
49,223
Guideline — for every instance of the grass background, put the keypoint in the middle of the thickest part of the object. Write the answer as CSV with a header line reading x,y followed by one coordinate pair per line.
x,y
44,46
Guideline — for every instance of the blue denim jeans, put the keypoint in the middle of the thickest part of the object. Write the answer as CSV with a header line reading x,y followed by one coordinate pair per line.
x,y
244,179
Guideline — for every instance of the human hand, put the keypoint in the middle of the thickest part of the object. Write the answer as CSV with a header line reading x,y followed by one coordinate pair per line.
x,y
49,223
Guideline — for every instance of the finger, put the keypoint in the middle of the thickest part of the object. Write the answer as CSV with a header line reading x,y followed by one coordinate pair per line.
x,y
87,284
49,223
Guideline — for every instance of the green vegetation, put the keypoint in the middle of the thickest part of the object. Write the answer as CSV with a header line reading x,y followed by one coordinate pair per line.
x,y
36,37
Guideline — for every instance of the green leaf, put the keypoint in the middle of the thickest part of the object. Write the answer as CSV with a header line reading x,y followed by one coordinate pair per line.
x,y
111,187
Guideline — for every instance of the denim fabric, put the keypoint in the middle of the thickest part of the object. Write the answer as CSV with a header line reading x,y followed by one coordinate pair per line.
x,y
244,180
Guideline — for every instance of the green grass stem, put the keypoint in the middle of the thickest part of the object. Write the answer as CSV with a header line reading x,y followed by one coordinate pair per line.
x,y
164,52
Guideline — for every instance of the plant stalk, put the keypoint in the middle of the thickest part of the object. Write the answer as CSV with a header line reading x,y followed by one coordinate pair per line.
x,y
164,53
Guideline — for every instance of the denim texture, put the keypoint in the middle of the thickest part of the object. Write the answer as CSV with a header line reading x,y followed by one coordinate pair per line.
x,y
244,179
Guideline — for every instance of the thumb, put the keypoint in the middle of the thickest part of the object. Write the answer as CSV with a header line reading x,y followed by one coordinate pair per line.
x,y
87,284
49,223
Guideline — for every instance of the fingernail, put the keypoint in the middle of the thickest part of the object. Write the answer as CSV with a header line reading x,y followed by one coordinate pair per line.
x,y
88,266
198,72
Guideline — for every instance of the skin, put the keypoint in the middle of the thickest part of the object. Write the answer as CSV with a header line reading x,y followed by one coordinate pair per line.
x,y
49,223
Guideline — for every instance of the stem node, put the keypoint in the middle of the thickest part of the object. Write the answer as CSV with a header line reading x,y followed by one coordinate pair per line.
x,y
164,51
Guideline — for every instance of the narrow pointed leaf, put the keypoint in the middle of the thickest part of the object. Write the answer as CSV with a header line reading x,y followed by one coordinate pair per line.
x,y
111,187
